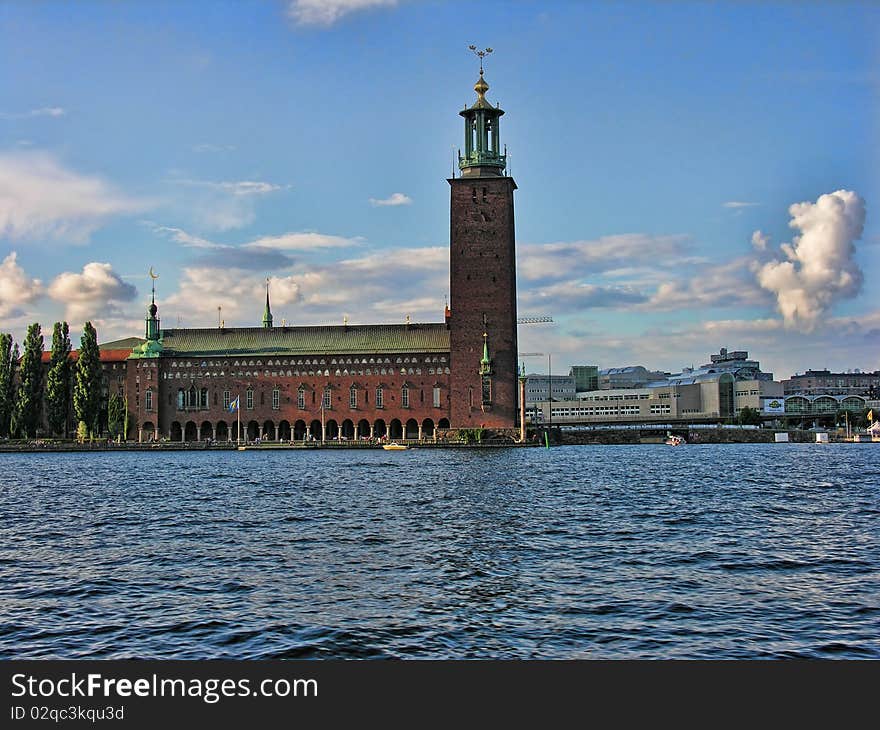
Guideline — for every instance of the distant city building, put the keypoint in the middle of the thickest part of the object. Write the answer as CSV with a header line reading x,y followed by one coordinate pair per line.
x,y
824,382
702,398
586,377
538,387
738,363
632,376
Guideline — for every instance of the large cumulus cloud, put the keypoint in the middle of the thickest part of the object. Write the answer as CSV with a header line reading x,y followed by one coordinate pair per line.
x,y
820,266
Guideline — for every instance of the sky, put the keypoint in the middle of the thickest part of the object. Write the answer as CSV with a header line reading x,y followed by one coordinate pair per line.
x,y
690,176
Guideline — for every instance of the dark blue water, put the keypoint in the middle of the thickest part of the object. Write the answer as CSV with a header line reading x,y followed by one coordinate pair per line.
x,y
578,552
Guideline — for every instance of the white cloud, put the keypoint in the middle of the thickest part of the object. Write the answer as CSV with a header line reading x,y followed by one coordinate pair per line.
x,y
46,111
182,237
737,204
248,187
393,200
40,198
16,287
303,241
374,288
95,292
327,12
760,241
241,295
730,284
226,205
821,266
207,147
583,258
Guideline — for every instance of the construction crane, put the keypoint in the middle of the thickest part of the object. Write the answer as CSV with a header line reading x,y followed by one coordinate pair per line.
x,y
533,320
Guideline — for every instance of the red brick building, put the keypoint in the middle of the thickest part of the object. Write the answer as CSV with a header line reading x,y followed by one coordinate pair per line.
x,y
357,381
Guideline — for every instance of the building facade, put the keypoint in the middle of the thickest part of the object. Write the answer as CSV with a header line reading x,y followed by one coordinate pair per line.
x,y
357,381
824,382
538,387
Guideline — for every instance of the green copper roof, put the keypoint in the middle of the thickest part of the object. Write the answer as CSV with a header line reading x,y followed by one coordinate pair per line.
x,y
349,339
124,344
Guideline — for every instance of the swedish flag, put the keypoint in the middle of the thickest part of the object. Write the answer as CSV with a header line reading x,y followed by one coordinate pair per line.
x,y
234,406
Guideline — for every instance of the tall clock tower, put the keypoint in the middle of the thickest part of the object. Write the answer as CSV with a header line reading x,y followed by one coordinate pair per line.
x,y
483,381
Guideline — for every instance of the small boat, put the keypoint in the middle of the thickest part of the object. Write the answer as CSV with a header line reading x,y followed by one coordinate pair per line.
x,y
394,446
673,440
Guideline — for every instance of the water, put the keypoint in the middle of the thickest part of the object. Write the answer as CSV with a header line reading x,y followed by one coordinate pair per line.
x,y
577,552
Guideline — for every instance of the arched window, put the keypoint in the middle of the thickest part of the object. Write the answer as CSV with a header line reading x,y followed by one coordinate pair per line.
x,y
181,399
301,397
148,400
226,400
379,400
352,397
276,399
249,399
436,397
404,397
203,398
326,400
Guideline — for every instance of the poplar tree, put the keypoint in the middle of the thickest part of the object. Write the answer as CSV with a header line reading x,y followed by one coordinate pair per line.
x,y
7,383
116,414
58,380
29,402
87,385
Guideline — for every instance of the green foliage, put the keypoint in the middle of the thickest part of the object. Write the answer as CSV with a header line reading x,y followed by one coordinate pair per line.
x,y
7,382
58,380
82,432
471,435
116,415
29,402
87,381
749,417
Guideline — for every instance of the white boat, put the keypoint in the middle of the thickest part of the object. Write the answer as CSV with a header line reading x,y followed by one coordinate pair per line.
x,y
394,446
673,440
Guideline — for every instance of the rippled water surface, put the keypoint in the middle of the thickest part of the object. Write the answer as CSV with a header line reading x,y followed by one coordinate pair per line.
x,y
577,552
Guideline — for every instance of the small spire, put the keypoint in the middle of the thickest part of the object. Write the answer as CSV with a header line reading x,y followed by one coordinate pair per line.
x,y
267,312
485,362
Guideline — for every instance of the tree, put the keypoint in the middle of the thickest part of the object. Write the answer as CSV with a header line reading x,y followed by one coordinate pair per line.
x,y
749,417
8,361
116,415
29,402
58,380
87,384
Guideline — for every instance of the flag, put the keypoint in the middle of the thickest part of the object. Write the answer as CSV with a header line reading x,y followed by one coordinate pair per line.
x,y
871,415
234,406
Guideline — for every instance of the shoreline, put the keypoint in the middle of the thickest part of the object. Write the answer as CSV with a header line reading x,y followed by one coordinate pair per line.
x,y
610,437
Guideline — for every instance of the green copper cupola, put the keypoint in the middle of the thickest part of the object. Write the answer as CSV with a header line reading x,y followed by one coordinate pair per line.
x,y
483,156
267,312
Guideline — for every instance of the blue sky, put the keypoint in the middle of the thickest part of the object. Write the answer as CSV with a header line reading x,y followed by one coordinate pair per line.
x,y
658,149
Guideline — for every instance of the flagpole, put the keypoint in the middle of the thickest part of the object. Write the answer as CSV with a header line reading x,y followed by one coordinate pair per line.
x,y
238,417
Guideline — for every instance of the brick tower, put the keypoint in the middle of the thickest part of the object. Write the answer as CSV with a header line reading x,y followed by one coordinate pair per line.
x,y
482,272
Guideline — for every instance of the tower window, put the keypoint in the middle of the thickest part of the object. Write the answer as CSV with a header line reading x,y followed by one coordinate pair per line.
x,y
249,400
474,194
484,195
326,400
148,400
352,397
436,397
404,397
379,399
226,400
276,399
301,397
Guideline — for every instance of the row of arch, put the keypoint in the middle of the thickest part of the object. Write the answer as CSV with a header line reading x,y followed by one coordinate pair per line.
x,y
299,430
